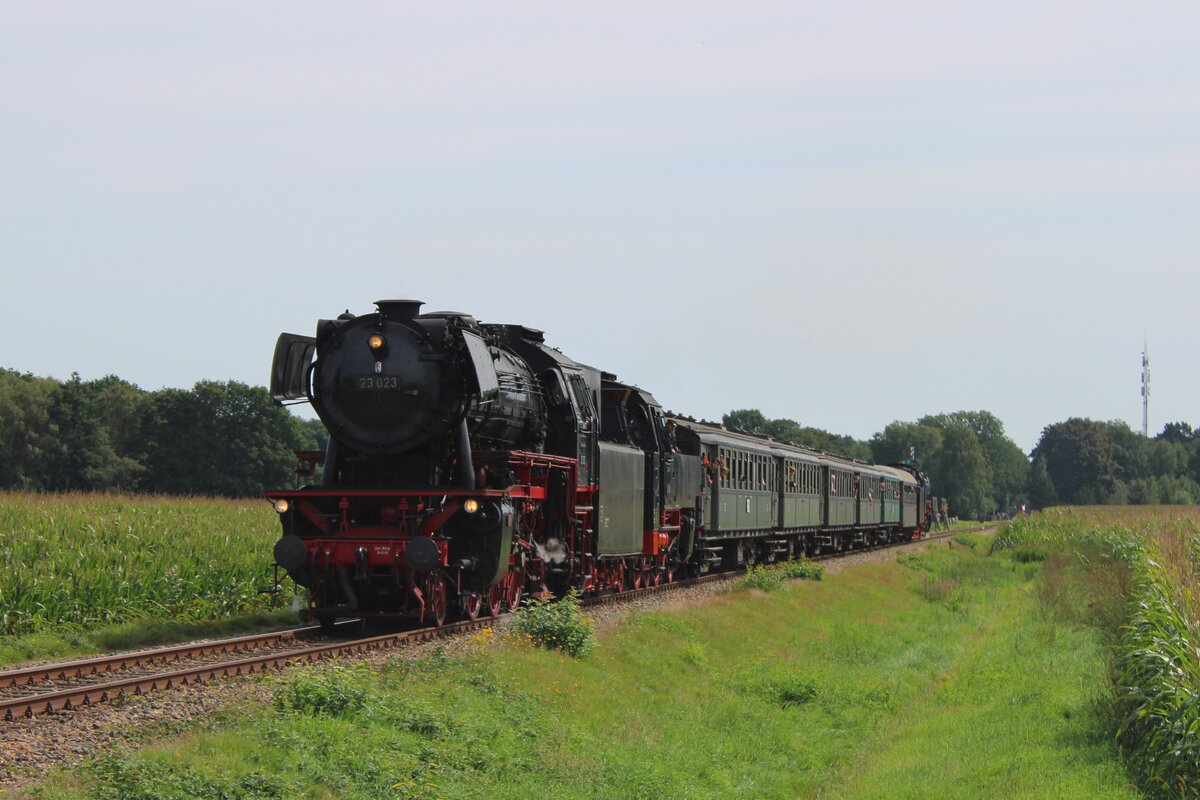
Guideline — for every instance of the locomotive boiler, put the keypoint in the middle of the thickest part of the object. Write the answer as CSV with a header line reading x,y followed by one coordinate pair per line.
x,y
470,463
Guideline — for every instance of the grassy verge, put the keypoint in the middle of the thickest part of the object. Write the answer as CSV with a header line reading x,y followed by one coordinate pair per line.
x,y
942,675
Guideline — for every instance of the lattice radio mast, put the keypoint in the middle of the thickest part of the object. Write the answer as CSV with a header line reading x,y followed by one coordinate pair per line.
x,y
1145,390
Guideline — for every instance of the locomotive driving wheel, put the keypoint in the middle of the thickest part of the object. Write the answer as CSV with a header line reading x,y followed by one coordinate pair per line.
x,y
514,586
472,605
435,598
495,600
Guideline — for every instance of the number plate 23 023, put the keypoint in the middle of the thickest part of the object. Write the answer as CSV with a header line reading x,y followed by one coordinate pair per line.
x,y
378,382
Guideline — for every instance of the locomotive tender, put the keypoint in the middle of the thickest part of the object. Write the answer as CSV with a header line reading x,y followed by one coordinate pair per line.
x,y
470,463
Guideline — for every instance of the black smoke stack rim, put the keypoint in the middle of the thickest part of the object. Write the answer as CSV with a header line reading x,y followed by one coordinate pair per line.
x,y
399,309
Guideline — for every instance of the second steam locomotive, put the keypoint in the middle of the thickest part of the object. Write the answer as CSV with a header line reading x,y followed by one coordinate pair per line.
x,y
471,463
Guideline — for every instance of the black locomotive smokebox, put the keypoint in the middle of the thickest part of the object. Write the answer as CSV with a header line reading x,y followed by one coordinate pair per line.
x,y
291,552
421,554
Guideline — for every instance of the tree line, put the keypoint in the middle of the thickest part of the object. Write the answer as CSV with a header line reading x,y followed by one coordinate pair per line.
x,y
220,438
227,439
1083,461
972,462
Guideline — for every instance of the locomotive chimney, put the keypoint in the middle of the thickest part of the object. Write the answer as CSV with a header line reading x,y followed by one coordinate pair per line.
x,y
399,309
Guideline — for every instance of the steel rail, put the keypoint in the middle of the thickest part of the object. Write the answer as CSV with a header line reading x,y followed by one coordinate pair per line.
x,y
68,670
66,699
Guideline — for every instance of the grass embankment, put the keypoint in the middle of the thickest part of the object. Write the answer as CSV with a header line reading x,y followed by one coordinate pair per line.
x,y
940,676
1154,554
92,572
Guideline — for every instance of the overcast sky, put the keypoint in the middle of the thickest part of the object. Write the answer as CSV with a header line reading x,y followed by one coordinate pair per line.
x,y
844,215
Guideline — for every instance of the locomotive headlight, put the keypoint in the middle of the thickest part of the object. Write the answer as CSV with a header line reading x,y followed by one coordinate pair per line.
x,y
471,506
282,505
376,342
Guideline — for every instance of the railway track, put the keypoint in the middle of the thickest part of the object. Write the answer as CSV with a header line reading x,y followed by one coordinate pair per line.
x,y
31,691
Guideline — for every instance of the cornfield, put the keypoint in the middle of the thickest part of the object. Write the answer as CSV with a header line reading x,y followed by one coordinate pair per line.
x,y
1157,662
78,560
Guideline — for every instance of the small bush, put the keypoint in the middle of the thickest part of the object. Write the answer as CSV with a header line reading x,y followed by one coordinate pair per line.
x,y
765,578
334,690
760,577
556,625
802,568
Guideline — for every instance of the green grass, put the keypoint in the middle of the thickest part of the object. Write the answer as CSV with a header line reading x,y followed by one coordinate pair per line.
x,y
946,675
73,562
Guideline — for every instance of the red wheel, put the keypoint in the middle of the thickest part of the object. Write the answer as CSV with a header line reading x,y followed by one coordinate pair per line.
x,y
495,600
515,584
636,581
655,576
472,605
670,575
435,599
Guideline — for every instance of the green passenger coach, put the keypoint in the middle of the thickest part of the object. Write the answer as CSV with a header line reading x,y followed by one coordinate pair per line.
x,y
763,499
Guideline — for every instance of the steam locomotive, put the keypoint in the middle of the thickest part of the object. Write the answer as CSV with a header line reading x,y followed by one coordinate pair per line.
x,y
471,463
